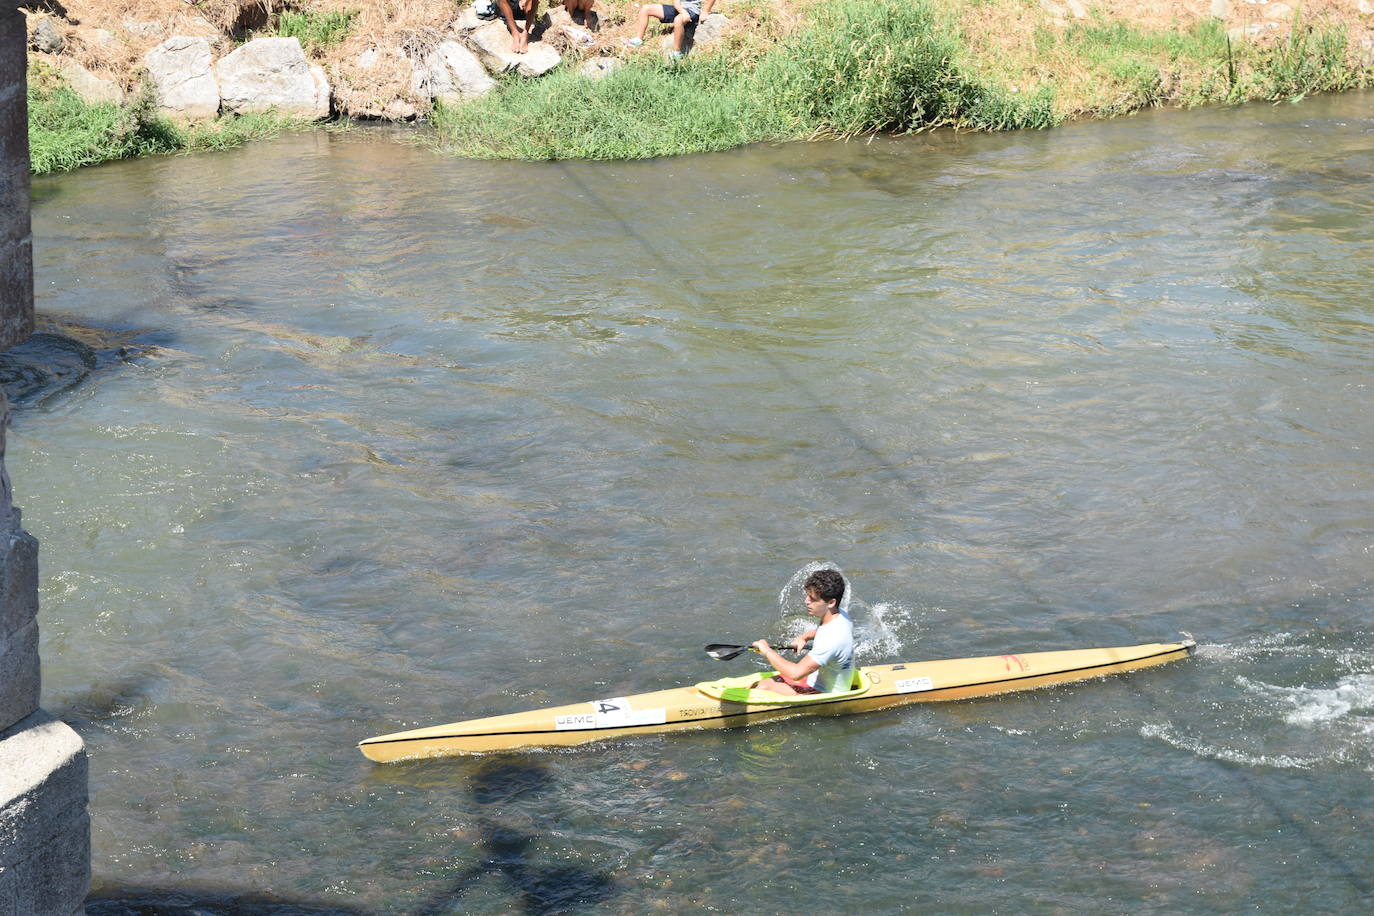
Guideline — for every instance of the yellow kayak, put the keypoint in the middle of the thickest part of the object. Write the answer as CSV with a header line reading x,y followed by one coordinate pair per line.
x,y
730,702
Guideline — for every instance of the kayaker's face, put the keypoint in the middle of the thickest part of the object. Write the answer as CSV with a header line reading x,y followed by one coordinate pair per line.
x,y
817,606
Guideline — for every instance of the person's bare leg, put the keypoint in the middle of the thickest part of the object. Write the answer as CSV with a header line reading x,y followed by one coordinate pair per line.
x,y
679,31
516,35
645,11
769,683
531,20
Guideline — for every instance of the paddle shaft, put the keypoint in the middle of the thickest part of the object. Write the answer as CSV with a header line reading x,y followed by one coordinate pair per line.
x,y
724,652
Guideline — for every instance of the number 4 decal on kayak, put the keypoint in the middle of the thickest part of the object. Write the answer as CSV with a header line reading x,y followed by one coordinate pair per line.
x,y
617,713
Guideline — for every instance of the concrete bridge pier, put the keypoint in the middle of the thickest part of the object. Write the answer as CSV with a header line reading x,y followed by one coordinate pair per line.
x,y
45,832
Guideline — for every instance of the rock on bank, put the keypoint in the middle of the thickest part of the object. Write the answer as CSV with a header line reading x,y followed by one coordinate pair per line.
x,y
384,61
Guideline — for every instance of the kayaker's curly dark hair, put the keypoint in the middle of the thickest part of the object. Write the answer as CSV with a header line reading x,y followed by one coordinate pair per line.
x,y
827,584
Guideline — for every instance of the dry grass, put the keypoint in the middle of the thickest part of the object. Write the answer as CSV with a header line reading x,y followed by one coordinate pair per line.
x,y
393,29
110,37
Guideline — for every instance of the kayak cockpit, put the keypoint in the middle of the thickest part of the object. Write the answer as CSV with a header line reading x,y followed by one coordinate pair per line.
x,y
741,690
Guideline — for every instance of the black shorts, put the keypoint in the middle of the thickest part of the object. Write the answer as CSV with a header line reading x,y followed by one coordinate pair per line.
x,y
670,13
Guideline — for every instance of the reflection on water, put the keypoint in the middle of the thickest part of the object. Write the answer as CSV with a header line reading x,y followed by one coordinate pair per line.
x,y
400,440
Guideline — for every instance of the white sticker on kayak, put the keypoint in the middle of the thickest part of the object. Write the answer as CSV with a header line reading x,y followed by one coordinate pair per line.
x,y
613,713
581,720
913,685
617,713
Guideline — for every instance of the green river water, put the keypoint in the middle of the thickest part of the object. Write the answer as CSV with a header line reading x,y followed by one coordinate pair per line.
x,y
397,439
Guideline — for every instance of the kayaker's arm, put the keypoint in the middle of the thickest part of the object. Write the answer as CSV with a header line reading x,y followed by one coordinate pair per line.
x,y
799,644
794,671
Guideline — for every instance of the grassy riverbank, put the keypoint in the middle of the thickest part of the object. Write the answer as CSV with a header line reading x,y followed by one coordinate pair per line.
x,y
868,66
859,66
66,133
791,70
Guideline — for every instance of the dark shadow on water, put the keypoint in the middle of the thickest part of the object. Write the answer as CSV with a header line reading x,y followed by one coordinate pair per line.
x,y
121,900
506,851
507,862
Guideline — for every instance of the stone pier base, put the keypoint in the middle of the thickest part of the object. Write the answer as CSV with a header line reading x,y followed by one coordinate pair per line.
x,y
45,833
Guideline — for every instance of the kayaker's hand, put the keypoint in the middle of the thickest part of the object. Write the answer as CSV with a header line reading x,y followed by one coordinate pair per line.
x,y
799,644
762,645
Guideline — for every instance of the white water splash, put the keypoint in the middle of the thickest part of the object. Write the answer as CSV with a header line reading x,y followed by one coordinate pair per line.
x,y
877,636
791,598
1353,659
875,626
1328,720
1319,705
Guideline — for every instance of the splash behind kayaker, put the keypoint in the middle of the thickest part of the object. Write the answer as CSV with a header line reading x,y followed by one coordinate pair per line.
x,y
829,666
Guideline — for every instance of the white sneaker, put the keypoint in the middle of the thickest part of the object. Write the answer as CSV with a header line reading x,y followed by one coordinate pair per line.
x,y
633,42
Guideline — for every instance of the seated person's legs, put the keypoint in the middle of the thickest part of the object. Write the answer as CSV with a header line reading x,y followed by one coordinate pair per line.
x,y
660,11
777,684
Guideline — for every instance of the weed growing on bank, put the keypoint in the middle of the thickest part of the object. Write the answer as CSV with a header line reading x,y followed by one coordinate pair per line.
x,y
1104,68
860,66
66,133
316,29
869,66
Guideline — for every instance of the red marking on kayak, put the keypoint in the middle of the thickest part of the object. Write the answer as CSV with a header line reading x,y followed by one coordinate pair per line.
x,y
1008,659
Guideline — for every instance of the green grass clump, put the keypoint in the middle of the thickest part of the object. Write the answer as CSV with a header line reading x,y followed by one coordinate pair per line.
x,y
1130,68
865,66
317,30
862,66
644,109
67,133
1308,60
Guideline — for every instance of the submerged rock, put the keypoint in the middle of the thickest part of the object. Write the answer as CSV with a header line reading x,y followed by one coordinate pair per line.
x,y
43,366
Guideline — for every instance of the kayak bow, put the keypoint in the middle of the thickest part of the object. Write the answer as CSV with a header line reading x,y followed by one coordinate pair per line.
x,y
730,702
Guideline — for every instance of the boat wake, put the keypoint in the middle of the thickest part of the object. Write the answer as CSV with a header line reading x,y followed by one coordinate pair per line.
x,y
1282,701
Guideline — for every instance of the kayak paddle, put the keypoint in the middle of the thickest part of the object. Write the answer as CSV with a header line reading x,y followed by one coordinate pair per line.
x,y
725,653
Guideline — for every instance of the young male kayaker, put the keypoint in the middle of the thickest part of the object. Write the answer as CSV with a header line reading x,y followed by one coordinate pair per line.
x,y
829,666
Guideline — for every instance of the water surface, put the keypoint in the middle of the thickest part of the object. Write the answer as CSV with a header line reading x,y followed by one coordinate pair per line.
x,y
398,439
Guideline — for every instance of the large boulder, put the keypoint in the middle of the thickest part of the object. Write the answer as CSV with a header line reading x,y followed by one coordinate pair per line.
x,y
707,32
183,78
467,21
92,89
711,30
492,44
451,74
272,73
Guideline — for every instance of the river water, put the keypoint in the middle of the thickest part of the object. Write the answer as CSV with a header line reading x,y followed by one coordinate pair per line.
x,y
397,439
